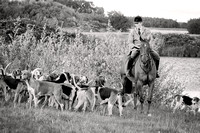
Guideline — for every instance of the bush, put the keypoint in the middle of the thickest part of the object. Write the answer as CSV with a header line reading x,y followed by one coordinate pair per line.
x,y
119,21
51,13
180,45
9,29
193,26
166,86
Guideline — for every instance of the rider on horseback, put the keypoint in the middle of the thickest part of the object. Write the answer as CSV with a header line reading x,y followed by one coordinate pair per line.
x,y
138,33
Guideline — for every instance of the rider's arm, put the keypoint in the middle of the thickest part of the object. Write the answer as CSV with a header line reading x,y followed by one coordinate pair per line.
x,y
131,40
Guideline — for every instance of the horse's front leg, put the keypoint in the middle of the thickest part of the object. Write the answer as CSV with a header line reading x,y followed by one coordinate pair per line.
x,y
139,91
135,94
149,98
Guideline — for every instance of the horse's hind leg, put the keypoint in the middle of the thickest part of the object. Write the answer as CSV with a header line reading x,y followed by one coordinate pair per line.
x,y
149,98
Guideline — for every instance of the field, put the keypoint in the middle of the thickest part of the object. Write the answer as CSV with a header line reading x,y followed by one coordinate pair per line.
x,y
181,73
50,120
21,120
187,71
124,35
169,30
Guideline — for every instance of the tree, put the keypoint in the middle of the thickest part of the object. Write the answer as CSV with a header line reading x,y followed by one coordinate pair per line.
x,y
193,26
183,25
119,21
99,10
80,6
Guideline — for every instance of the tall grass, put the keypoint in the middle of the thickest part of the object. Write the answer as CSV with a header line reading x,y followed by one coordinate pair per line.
x,y
85,55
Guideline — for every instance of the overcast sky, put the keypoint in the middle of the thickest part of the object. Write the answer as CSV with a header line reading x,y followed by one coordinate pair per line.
x,y
179,10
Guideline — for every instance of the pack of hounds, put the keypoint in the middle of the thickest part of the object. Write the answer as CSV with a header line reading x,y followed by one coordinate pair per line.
x,y
63,91
67,91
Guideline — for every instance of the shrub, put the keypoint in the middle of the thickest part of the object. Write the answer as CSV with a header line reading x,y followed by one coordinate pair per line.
x,y
166,86
193,26
180,45
119,21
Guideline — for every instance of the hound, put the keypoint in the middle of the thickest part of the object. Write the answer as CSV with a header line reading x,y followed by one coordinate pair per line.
x,y
64,77
103,94
110,96
20,91
86,93
10,81
68,90
69,93
38,88
79,79
37,73
183,101
16,74
4,87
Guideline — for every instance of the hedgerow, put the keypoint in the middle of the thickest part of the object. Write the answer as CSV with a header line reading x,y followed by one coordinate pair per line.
x,y
180,45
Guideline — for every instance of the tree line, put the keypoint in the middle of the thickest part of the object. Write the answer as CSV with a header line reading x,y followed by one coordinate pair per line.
x,y
84,15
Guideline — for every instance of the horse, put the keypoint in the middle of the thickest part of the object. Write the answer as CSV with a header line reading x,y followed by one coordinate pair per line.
x,y
143,72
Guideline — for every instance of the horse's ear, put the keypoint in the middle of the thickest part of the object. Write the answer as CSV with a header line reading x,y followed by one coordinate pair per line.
x,y
141,39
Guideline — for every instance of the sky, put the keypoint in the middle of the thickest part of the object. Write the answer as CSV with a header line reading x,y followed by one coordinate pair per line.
x,y
179,10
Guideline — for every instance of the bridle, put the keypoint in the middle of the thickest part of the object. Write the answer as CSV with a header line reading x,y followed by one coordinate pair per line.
x,y
145,65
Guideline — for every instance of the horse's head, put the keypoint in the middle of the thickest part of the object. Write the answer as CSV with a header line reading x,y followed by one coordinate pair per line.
x,y
145,52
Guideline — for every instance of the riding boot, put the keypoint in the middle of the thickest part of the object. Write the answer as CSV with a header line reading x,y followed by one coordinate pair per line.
x,y
157,66
128,67
134,53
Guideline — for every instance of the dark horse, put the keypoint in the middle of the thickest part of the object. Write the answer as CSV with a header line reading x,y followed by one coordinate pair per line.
x,y
143,72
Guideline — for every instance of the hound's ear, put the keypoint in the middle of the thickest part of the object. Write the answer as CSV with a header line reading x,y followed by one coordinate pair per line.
x,y
27,67
1,71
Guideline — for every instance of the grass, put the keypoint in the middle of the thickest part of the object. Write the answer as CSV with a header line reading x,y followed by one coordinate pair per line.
x,y
50,120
